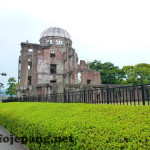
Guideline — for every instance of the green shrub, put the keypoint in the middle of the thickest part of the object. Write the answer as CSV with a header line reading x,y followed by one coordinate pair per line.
x,y
78,126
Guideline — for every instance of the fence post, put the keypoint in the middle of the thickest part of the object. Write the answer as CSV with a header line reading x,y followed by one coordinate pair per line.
x,y
68,97
39,98
143,96
32,98
134,95
55,97
107,94
80,96
46,97
84,95
120,95
64,95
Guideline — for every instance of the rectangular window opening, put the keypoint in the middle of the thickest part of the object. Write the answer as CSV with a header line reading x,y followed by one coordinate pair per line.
x,y
19,66
30,50
70,78
53,68
88,81
29,67
53,81
29,80
50,42
61,43
52,54
79,77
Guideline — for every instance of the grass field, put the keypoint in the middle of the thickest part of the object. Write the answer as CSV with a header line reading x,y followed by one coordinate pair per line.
x,y
78,126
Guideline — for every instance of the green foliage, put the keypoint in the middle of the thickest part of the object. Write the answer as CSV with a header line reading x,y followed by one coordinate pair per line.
x,y
128,75
138,74
11,90
110,74
88,126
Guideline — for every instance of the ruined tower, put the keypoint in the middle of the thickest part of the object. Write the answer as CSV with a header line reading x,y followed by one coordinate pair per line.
x,y
52,65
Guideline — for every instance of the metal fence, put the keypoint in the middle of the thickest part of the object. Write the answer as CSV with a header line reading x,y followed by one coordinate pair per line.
x,y
126,95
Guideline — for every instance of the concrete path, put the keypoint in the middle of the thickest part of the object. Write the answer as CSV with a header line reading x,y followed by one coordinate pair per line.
x,y
5,138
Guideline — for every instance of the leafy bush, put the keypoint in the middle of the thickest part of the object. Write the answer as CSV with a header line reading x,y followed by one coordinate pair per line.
x,y
78,126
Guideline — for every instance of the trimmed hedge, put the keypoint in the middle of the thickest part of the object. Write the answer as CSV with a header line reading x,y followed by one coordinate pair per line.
x,y
78,126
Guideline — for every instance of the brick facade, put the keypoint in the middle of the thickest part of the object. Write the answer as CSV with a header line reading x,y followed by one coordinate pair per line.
x,y
44,67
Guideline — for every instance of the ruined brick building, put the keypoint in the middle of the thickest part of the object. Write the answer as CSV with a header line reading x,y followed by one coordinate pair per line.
x,y
52,66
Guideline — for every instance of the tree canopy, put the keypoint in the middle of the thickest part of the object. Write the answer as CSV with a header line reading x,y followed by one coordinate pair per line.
x,y
110,74
138,74
128,75
11,90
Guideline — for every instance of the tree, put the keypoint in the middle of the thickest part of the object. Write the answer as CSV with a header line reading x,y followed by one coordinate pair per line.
x,y
130,78
138,74
128,75
110,74
11,90
142,73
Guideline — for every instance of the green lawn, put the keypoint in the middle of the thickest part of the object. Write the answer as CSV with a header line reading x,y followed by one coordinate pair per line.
x,y
79,126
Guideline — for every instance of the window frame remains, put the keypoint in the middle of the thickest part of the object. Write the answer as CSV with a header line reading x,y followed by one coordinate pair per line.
x,y
52,53
88,81
53,68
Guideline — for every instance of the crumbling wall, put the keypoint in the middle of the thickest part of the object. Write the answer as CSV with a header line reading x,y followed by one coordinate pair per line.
x,y
92,76
50,68
44,66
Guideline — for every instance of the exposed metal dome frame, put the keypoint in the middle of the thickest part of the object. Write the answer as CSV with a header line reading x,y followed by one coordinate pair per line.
x,y
54,31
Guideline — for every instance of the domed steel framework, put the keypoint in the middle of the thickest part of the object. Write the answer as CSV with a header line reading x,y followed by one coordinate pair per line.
x,y
54,31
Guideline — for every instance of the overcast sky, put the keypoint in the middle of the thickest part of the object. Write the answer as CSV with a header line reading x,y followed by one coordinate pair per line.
x,y
116,31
